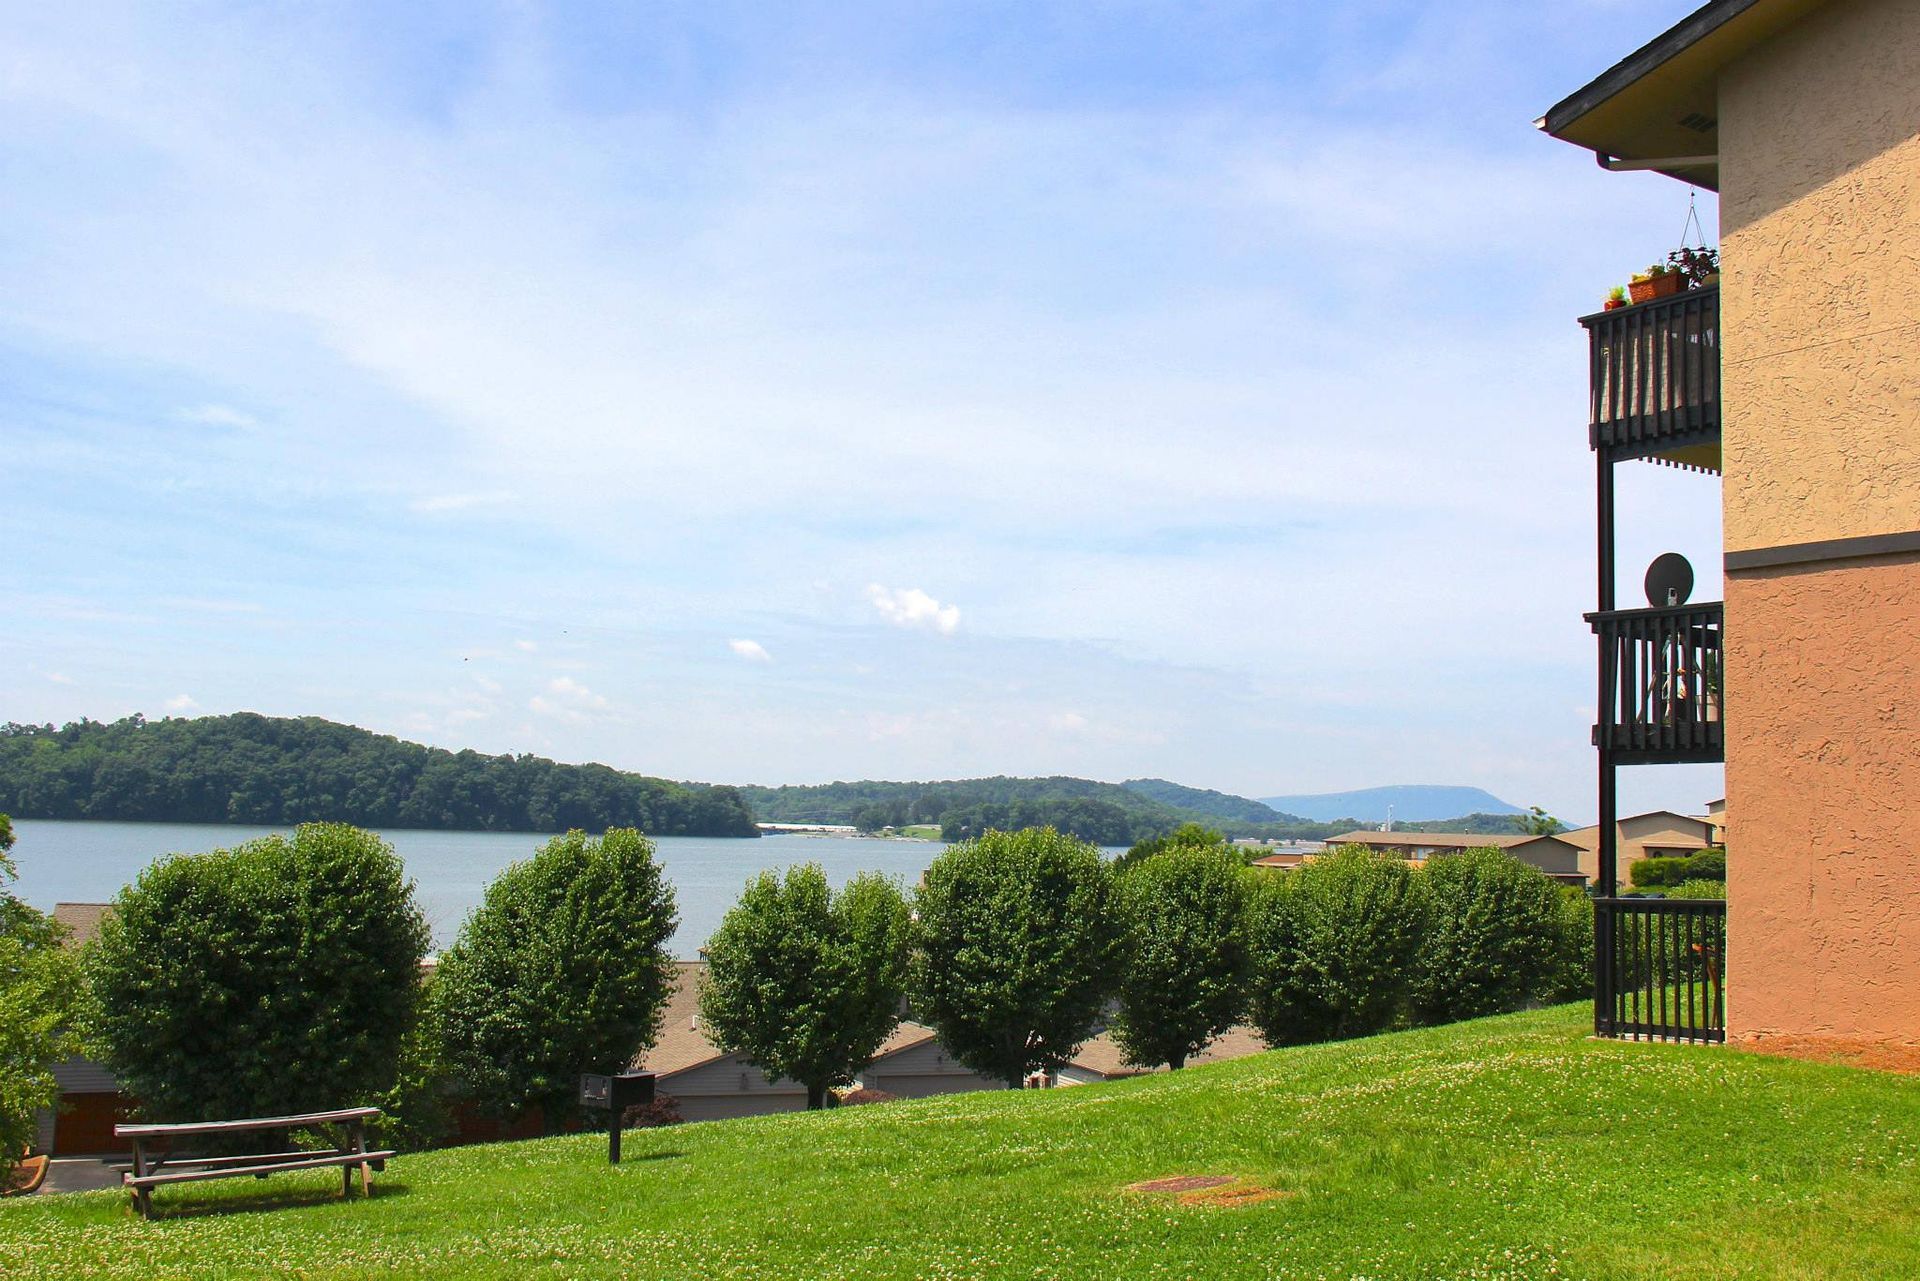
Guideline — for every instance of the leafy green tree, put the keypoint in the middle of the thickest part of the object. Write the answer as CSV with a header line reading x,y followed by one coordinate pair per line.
x,y
1184,969
6,833
1018,946
278,976
1492,936
562,969
806,983
1537,822
1333,944
39,984
1186,836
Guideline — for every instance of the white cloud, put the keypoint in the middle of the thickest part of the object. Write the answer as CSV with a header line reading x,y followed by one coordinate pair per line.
x,y
567,699
1066,722
218,416
60,678
911,607
751,650
181,703
574,692
526,646
432,504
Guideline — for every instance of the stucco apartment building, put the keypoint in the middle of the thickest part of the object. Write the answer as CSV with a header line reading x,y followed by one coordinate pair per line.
x,y
1657,834
1797,379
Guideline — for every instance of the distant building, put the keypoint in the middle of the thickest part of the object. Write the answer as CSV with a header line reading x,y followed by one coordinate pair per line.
x,y
90,1100
1554,855
1101,1059
1659,834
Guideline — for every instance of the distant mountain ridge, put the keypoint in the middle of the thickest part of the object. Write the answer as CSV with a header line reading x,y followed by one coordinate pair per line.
x,y
1411,803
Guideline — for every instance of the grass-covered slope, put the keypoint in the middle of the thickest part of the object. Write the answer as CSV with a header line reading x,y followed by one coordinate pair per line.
x,y
1510,1147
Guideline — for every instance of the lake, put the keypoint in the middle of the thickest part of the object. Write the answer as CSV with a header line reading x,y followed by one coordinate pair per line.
x,y
76,862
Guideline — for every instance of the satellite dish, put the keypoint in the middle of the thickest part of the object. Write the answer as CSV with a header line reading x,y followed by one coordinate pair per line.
x,y
1669,580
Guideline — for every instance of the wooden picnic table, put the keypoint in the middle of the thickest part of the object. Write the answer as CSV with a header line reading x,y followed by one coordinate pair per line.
x,y
147,1162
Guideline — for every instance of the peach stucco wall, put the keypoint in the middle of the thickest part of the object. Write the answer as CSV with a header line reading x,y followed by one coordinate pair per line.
x,y
1823,868
1820,236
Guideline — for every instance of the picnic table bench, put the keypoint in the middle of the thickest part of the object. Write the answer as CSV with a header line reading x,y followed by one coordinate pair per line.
x,y
148,1163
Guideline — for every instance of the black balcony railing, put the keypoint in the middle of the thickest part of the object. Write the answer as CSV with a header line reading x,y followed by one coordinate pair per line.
x,y
1660,968
1660,684
1655,374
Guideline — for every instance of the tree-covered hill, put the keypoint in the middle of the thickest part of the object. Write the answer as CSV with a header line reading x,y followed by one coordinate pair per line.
x,y
1220,805
1105,813
247,768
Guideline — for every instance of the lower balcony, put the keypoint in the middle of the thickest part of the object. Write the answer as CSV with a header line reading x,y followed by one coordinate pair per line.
x,y
1660,684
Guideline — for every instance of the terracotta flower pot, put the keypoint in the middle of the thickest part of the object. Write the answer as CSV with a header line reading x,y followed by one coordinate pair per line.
x,y
1662,286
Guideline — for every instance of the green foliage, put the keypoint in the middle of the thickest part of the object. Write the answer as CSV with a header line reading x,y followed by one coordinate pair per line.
x,y
279,976
562,969
1709,864
1537,822
1701,888
1186,836
1332,947
1571,978
1184,969
806,983
258,769
6,833
1018,947
1492,940
39,985
416,1112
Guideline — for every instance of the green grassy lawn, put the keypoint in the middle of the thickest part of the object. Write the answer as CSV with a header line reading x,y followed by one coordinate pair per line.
x,y
1511,1147
922,831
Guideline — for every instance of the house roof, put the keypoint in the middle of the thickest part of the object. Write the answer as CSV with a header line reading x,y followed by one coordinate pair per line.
x,y
1442,840
1661,102
683,1042
81,919
1103,1055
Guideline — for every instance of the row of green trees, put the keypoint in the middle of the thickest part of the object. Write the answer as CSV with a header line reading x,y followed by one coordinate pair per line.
x,y
38,984
285,975
247,768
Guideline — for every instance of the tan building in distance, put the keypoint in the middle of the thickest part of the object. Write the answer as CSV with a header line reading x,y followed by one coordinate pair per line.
x,y
1798,379
1553,855
1660,834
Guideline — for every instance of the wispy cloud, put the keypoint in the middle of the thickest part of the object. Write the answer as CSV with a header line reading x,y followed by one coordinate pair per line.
x,y
568,699
751,650
218,416
181,703
434,504
60,678
911,607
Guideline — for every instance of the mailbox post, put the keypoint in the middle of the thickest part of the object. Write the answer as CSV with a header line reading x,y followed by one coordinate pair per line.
x,y
615,1094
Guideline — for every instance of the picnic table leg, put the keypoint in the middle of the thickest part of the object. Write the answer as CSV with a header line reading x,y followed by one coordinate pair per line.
x,y
360,1146
142,1197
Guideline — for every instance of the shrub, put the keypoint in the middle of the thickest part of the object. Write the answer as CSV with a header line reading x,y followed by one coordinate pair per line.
x,y
1186,836
1017,948
562,969
1656,873
806,983
1184,968
39,983
1571,976
1332,947
279,976
663,1111
1709,864
860,1097
1492,939
1698,889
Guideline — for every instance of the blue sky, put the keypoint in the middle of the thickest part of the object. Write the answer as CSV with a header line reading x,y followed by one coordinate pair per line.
x,y
787,393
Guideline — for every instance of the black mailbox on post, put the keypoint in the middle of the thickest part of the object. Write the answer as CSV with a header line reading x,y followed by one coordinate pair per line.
x,y
614,1094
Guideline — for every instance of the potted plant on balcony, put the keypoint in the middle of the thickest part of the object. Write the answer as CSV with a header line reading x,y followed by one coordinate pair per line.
x,y
1657,281
1616,298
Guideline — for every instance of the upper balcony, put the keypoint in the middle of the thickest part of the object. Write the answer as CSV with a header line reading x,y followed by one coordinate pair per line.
x,y
1655,372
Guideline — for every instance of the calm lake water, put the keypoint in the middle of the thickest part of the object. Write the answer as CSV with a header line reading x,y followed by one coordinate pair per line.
x,y
63,862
